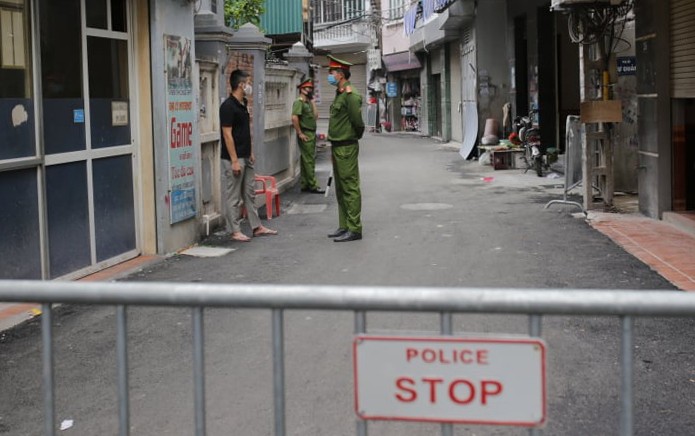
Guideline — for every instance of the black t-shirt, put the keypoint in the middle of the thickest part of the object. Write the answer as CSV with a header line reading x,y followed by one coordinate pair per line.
x,y
235,115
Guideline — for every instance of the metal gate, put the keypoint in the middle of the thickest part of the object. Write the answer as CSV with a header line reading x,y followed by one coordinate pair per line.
x,y
278,298
682,46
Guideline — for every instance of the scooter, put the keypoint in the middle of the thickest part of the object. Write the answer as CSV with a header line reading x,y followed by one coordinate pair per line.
x,y
530,137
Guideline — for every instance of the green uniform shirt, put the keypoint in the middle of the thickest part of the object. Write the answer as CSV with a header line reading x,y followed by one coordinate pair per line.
x,y
305,112
345,123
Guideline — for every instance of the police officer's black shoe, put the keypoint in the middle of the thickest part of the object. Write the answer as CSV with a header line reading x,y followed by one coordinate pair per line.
x,y
349,236
316,190
337,233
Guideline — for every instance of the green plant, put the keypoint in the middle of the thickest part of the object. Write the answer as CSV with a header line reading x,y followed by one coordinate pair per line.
x,y
239,12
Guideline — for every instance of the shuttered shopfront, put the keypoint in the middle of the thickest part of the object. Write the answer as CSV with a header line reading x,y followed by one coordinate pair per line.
x,y
682,48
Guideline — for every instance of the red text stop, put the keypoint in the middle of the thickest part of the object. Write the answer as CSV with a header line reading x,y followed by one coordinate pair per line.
x,y
458,391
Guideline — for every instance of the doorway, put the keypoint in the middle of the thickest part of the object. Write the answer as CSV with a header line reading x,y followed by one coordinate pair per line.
x,y
547,77
683,155
437,105
521,65
88,138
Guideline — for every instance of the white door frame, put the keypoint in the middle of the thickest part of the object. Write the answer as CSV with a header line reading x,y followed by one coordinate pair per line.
x,y
89,154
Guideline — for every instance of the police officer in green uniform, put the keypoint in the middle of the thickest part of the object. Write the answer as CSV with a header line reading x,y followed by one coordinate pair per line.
x,y
304,115
345,128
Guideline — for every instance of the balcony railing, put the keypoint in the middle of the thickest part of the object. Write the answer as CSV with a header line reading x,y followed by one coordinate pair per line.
x,y
353,34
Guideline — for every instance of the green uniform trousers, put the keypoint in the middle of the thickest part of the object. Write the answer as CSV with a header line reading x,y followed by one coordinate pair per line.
x,y
307,161
346,174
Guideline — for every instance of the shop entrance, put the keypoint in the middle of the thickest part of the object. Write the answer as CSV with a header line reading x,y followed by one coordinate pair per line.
x,y
87,131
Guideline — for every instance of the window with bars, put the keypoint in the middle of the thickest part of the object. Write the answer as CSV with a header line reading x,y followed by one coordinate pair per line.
x,y
396,9
326,11
353,8
331,11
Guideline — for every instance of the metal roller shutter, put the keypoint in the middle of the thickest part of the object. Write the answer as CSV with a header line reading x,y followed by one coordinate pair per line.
x,y
358,79
682,48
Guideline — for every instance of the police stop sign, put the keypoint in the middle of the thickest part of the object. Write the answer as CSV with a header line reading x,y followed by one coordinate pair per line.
x,y
497,381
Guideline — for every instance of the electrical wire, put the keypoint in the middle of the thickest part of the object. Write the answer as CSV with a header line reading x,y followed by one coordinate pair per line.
x,y
593,23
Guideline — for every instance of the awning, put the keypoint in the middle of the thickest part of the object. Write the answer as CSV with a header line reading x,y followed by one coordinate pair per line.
x,y
401,61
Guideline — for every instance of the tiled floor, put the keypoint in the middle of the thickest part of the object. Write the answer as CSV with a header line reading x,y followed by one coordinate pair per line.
x,y
666,249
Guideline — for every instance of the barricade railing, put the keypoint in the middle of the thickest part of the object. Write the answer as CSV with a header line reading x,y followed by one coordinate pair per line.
x,y
444,301
573,161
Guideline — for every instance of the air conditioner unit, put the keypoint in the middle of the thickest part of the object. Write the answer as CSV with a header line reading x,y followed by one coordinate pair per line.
x,y
560,5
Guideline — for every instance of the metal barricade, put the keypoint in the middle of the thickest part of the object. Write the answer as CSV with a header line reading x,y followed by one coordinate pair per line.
x,y
573,161
278,298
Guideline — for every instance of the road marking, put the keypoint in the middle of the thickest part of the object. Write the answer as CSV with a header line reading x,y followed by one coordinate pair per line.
x,y
426,206
297,209
203,251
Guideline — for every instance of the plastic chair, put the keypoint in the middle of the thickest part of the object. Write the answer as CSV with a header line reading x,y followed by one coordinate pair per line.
x,y
267,185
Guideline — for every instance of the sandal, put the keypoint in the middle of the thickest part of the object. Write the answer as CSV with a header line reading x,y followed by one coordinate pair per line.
x,y
240,237
264,231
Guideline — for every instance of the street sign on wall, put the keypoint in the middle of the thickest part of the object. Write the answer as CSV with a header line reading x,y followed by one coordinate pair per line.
x,y
392,89
496,381
626,66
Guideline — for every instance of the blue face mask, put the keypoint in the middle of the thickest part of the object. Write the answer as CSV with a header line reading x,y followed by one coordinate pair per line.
x,y
332,80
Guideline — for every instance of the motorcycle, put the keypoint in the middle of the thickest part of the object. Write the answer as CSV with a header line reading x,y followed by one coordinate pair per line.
x,y
529,136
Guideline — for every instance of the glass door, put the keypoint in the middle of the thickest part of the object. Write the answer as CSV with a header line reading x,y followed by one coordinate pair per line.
x,y
20,178
87,133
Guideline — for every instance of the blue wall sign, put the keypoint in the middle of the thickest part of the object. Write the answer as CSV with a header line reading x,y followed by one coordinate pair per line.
x,y
627,66
78,116
392,89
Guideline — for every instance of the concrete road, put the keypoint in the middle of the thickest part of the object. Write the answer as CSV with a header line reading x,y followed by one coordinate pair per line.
x,y
430,219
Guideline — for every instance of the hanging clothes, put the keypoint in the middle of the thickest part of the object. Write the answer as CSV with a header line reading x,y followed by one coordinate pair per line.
x,y
427,9
410,19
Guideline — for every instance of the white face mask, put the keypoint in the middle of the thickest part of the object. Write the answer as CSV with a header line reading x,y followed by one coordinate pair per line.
x,y
248,90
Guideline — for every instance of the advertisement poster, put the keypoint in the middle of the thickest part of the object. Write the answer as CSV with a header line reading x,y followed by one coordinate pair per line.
x,y
180,118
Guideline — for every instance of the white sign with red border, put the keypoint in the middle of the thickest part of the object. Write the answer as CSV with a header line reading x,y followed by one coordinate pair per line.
x,y
494,380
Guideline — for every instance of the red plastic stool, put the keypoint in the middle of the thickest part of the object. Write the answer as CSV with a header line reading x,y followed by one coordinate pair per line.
x,y
267,185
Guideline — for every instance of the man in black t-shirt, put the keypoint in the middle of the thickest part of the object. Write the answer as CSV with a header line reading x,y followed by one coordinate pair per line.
x,y
238,176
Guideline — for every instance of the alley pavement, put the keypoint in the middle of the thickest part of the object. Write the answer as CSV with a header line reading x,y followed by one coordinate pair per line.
x,y
663,247
430,219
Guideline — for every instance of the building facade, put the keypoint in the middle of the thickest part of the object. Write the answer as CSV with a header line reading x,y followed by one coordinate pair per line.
x,y
478,56
76,134
402,67
109,136
287,22
348,30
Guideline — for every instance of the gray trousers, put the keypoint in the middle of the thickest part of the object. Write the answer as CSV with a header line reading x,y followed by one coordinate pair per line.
x,y
237,191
